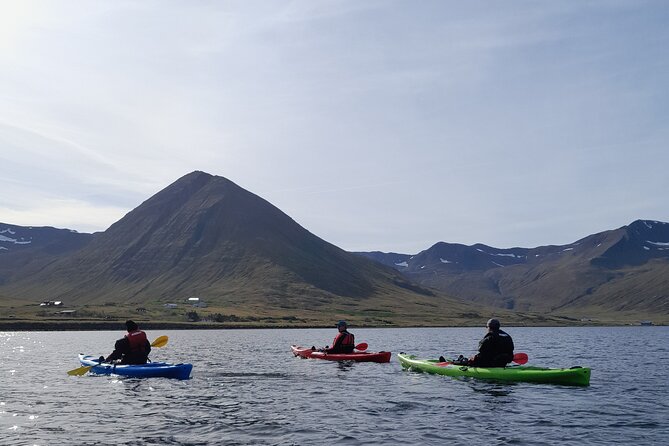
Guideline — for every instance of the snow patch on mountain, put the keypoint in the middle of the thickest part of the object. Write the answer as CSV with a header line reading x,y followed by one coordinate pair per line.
x,y
4,238
649,223
501,254
658,243
508,255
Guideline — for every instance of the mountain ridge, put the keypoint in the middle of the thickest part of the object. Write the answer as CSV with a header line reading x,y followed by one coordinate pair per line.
x,y
205,236
593,274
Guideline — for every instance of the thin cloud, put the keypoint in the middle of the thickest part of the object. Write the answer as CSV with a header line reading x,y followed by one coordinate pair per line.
x,y
438,121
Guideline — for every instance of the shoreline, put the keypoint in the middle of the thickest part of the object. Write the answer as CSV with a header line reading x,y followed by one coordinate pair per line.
x,y
146,325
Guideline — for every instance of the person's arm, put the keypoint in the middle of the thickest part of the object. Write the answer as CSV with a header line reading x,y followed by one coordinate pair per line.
x,y
486,346
120,348
335,344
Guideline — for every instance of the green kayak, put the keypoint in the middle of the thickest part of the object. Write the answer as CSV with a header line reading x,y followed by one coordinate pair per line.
x,y
575,376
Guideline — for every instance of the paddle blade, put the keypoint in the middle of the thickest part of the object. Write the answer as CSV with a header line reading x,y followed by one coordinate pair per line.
x,y
520,358
80,371
160,341
361,347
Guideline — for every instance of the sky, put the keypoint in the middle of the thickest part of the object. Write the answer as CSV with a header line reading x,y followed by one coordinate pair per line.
x,y
376,125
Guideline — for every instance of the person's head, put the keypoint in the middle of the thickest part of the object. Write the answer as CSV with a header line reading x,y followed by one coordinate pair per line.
x,y
493,325
131,326
341,325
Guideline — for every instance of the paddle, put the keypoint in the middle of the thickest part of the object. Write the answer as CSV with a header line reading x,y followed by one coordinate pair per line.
x,y
160,341
360,347
518,358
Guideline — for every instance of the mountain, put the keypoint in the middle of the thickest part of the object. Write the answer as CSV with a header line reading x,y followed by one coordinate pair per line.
x,y
205,236
29,249
621,270
48,240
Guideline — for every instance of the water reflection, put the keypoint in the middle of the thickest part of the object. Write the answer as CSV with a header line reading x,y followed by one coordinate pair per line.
x,y
344,366
502,390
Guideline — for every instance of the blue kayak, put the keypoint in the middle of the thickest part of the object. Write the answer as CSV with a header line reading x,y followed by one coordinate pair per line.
x,y
148,370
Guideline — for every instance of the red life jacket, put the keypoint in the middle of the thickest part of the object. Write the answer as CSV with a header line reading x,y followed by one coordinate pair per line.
x,y
137,340
345,344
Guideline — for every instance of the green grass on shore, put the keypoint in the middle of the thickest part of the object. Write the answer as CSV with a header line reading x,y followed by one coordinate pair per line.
x,y
20,316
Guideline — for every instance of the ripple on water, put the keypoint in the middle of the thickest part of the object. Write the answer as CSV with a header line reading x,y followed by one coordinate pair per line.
x,y
248,389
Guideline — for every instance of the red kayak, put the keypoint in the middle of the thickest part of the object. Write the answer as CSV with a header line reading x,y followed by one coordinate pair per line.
x,y
355,356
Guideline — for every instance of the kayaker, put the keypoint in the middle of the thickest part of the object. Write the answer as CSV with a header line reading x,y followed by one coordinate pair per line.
x,y
133,348
344,342
495,349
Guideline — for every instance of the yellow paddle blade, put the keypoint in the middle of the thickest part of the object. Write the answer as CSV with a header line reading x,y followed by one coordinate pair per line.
x,y
160,341
80,371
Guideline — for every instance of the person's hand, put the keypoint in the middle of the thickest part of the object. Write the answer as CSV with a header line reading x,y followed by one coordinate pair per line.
x,y
101,359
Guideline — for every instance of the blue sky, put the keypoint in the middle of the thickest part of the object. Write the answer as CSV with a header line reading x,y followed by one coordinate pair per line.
x,y
376,125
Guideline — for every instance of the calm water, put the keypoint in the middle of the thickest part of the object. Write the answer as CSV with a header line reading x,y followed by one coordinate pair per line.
x,y
247,388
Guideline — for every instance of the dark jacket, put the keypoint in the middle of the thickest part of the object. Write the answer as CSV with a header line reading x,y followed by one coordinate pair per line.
x,y
343,343
128,355
495,350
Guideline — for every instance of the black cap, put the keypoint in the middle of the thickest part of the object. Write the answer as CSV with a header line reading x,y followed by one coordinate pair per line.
x,y
130,325
493,323
341,324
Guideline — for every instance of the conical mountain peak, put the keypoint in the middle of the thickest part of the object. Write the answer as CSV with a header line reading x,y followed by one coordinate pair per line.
x,y
205,235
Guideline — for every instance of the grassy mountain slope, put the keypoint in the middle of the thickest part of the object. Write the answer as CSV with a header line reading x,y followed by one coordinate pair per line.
x,y
205,236
624,271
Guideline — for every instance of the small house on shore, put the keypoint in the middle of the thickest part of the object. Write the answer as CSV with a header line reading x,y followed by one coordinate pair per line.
x,y
197,302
